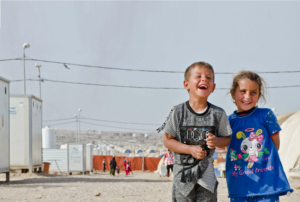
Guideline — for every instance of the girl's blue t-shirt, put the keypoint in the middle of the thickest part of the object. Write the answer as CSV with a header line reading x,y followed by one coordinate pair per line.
x,y
253,167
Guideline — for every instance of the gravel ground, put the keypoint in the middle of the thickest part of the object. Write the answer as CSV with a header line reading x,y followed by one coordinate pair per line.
x,y
140,186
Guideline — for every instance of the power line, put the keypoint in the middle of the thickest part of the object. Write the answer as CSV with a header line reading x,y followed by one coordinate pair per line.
x,y
61,123
141,87
126,69
32,79
116,127
106,85
122,122
104,121
10,59
58,120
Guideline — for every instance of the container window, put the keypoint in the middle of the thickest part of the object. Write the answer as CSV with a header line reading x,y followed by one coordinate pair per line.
x,y
32,103
37,106
5,90
40,107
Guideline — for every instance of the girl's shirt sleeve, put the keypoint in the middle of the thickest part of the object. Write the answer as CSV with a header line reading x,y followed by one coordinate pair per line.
x,y
272,123
171,124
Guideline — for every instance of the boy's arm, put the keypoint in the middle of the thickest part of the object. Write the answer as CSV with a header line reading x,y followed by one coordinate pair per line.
x,y
213,141
224,129
171,143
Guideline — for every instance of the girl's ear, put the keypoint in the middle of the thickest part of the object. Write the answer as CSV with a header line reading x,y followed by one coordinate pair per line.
x,y
232,94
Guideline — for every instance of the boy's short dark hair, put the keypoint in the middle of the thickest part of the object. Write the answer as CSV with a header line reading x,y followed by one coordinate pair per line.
x,y
187,72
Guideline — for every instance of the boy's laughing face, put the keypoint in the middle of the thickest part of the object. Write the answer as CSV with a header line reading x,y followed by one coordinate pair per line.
x,y
201,83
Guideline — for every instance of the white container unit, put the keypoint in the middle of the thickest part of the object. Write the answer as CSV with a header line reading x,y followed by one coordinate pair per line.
x,y
89,157
58,159
76,158
4,127
49,138
26,133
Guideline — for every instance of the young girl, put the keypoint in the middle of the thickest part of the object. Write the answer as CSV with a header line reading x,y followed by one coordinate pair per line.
x,y
253,168
127,168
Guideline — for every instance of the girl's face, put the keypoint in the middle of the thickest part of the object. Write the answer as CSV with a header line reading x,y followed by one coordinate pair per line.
x,y
246,95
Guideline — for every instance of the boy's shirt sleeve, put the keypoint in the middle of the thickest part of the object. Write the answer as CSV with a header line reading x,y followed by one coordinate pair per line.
x,y
171,124
272,123
224,126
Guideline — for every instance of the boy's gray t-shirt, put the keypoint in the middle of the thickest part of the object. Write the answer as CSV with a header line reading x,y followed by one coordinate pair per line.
x,y
184,115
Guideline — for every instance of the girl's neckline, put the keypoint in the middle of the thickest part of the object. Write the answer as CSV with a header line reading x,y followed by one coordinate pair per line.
x,y
244,112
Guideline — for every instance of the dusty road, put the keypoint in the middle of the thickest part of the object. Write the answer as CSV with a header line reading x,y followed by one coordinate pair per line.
x,y
138,187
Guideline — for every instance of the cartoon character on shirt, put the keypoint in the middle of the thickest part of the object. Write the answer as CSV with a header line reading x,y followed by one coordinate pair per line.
x,y
251,146
233,156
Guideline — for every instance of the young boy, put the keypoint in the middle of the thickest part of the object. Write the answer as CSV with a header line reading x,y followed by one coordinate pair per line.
x,y
192,131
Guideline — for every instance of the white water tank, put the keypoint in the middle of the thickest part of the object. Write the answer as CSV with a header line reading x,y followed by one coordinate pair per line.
x,y
49,138
63,146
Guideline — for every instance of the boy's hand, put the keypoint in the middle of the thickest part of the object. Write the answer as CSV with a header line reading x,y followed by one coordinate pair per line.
x,y
211,141
197,152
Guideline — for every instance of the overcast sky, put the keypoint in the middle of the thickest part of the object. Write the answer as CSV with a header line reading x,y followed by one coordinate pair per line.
x,y
259,36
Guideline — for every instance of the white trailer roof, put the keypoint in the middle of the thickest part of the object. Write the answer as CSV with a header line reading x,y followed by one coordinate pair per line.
x,y
20,95
4,79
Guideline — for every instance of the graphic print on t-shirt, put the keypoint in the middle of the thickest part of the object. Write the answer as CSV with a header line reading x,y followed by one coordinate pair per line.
x,y
194,135
251,148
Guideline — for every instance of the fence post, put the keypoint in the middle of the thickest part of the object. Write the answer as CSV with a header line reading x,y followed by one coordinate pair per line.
x,y
143,161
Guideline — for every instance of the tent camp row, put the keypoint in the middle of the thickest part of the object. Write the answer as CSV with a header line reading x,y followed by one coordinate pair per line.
x,y
289,151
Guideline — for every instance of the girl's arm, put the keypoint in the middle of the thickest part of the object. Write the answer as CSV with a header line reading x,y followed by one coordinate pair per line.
x,y
171,143
276,140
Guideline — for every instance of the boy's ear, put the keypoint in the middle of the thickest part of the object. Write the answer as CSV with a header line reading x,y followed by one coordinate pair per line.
x,y
186,85
214,88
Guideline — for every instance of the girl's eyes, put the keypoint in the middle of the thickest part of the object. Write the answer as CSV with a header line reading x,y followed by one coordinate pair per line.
x,y
243,91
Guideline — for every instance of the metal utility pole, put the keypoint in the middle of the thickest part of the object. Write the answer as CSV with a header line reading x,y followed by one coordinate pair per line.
x,y
25,45
38,66
76,128
79,110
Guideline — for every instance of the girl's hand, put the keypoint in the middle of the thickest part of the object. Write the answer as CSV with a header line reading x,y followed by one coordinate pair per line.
x,y
197,152
211,141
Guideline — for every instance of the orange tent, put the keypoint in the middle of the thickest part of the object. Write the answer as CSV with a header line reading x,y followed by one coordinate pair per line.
x,y
136,162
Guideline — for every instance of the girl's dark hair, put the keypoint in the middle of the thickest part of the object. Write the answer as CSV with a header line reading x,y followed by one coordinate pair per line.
x,y
253,77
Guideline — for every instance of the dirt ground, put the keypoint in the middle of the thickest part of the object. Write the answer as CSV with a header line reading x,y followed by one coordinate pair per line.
x,y
140,186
